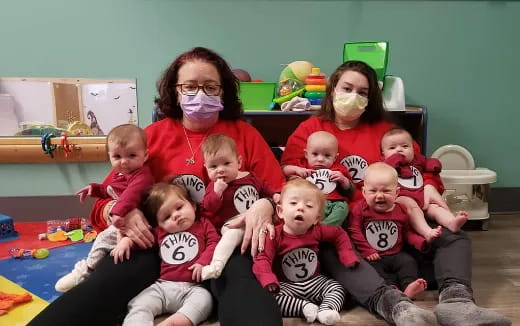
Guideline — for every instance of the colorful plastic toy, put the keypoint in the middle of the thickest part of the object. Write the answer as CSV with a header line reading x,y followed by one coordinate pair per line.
x,y
29,253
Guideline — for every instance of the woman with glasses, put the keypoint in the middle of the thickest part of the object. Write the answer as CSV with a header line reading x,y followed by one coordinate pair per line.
x,y
198,95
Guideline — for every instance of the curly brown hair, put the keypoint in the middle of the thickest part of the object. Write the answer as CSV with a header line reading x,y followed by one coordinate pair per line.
x,y
168,102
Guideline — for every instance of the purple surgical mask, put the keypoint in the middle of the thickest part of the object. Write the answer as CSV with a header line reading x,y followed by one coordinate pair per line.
x,y
201,106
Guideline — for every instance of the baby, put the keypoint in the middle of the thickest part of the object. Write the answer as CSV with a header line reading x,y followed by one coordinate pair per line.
x,y
230,193
397,149
322,169
378,228
186,244
289,266
131,178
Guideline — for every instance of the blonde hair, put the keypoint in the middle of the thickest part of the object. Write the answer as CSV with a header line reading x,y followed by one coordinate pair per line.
x,y
213,143
156,197
396,131
300,183
381,168
123,134
329,138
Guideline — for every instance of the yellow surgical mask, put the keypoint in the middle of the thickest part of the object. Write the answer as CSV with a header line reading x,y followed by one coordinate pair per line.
x,y
349,106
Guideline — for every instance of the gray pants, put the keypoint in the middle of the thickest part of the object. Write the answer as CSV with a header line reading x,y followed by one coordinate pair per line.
x,y
104,243
189,299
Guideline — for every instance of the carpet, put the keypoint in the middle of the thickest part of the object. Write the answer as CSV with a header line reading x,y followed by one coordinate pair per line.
x,y
21,314
39,275
28,239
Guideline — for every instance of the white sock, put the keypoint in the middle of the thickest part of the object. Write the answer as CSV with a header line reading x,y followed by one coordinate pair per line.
x,y
328,317
310,311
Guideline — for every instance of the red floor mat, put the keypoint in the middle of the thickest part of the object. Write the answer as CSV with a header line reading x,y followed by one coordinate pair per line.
x,y
28,239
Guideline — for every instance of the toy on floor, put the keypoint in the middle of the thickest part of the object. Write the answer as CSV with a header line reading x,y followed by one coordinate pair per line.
x,y
29,253
74,228
8,301
7,231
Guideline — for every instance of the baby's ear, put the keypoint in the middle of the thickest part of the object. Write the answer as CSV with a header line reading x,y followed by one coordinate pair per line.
x,y
239,158
279,211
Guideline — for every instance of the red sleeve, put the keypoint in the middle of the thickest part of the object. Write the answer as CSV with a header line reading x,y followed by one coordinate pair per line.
x,y
266,191
432,165
293,153
395,160
96,214
339,238
263,262
211,202
212,239
99,190
433,179
140,182
355,231
260,159
414,239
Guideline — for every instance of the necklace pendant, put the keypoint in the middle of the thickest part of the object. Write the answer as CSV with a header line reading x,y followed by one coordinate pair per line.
x,y
190,161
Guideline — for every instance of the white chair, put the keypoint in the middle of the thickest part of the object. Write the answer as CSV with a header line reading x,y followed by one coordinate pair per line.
x,y
467,187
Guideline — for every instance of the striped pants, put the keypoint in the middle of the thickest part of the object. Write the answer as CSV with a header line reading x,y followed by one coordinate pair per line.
x,y
320,290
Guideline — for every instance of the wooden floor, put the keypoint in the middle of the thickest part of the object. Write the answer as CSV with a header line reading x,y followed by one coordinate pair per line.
x,y
496,275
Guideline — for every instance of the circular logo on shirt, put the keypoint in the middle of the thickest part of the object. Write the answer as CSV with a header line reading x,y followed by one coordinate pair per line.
x,y
195,186
415,182
244,197
382,235
178,248
356,166
299,264
321,178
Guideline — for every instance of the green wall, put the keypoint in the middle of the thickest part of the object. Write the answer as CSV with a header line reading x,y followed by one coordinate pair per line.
x,y
455,57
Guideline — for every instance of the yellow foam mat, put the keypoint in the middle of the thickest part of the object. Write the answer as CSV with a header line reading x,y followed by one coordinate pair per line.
x,y
21,314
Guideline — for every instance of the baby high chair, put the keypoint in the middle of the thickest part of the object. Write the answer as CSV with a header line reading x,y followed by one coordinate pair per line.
x,y
467,187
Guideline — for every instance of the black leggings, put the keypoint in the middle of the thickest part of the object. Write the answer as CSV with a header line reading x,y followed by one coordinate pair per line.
x,y
102,299
241,298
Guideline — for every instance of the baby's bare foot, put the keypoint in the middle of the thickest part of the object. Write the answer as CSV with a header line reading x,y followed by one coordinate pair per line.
x,y
433,234
456,223
414,288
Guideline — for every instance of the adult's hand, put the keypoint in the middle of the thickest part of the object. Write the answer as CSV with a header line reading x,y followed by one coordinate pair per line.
x,y
432,196
137,229
257,223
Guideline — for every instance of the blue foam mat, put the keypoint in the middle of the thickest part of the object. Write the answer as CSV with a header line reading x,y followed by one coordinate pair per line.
x,y
39,275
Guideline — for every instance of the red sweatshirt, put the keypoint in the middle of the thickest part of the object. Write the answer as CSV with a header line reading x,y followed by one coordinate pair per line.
x,y
168,149
128,189
383,233
239,195
358,147
294,258
180,250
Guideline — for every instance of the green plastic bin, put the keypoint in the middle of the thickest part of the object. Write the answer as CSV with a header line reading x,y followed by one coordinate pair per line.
x,y
375,54
256,96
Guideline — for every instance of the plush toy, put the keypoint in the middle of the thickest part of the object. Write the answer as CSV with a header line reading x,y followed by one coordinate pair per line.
x,y
296,70
7,300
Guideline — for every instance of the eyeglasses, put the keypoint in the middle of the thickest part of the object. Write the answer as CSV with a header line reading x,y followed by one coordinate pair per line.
x,y
193,89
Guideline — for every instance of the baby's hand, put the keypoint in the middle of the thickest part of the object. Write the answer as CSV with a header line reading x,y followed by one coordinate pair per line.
x,y
340,178
296,170
197,271
122,250
84,192
373,257
220,186
272,288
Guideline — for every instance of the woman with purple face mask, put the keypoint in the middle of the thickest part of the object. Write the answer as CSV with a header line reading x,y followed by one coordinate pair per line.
x,y
198,94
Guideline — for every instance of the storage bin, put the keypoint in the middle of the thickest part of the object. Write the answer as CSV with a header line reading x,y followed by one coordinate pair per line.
x,y
256,96
375,54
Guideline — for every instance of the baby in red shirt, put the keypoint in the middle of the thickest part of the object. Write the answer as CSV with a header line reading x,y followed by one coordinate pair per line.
x,y
289,266
397,149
